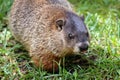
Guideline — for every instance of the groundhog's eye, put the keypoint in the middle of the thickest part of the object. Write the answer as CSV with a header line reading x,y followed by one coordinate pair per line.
x,y
60,23
71,36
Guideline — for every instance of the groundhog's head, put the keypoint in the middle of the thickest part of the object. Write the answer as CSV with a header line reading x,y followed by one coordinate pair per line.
x,y
75,32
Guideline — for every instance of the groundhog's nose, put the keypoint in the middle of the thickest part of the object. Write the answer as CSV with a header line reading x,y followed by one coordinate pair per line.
x,y
83,47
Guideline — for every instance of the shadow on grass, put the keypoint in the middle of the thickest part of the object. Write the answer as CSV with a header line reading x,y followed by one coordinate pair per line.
x,y
70,63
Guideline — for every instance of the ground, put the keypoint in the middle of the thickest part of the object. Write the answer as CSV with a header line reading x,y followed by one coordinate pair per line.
x,y
102,61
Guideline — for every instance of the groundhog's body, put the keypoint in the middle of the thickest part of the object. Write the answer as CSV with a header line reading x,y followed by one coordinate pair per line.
x,y
33,23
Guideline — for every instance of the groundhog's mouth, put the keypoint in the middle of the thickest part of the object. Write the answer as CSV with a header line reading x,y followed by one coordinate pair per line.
x,y
83,52
78,51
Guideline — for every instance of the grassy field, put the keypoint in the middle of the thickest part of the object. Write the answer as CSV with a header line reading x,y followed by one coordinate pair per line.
x,y
103,20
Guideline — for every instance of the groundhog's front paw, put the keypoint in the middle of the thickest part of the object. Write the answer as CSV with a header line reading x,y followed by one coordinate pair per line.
x,y
48,62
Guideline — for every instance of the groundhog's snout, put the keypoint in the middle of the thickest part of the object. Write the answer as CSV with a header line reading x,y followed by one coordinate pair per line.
x,y
81,47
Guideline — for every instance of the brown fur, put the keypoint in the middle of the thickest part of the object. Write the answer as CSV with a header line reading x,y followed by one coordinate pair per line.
x,y
32,22
48,61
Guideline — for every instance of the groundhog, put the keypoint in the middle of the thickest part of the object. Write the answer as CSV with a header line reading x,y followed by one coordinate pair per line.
x,y
49,30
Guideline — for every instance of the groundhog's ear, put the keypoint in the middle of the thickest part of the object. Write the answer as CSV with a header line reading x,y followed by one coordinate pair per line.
x,y
60,23
82,17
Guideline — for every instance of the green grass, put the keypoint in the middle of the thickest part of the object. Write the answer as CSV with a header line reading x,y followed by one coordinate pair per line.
x,y
103,20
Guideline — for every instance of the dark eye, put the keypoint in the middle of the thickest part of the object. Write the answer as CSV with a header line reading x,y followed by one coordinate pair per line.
x,y
71,36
